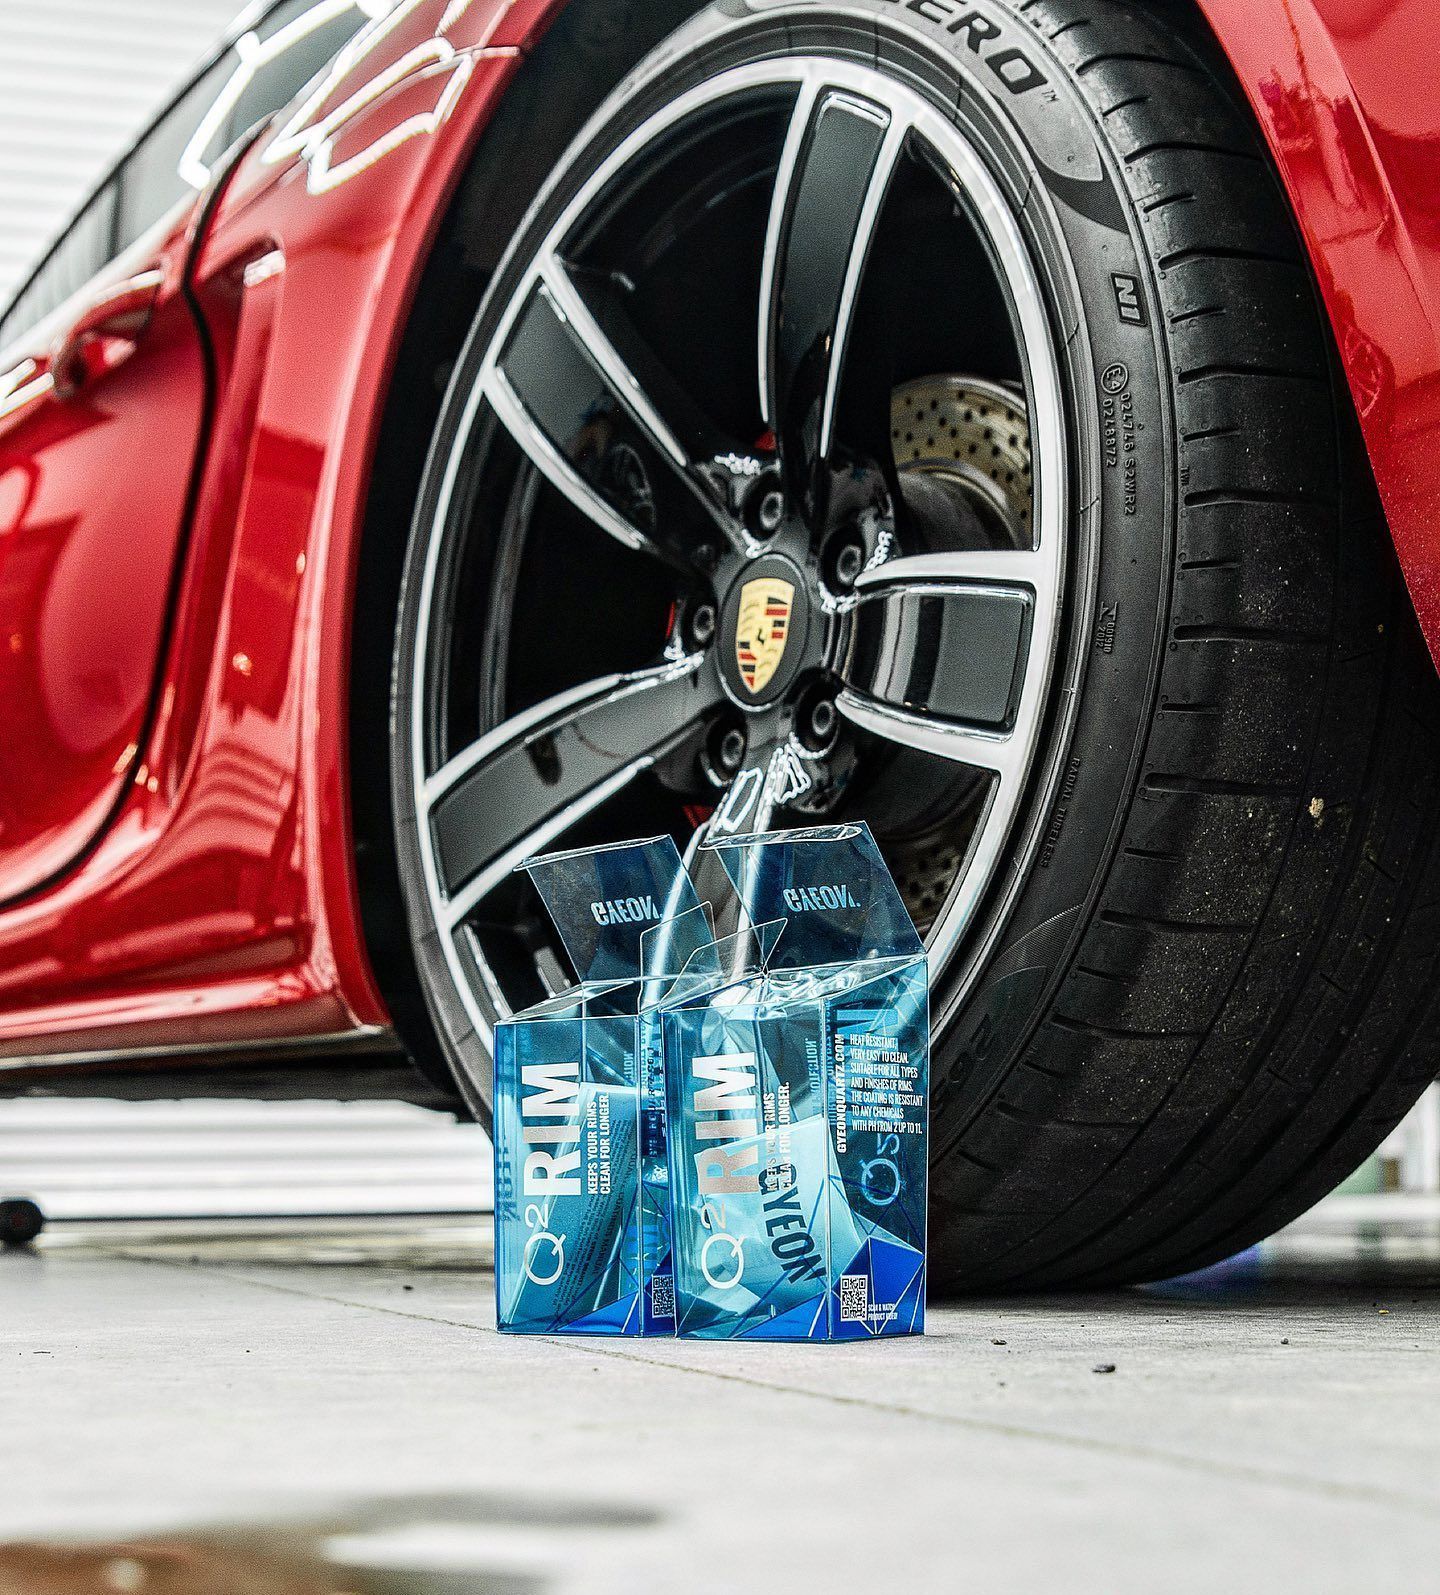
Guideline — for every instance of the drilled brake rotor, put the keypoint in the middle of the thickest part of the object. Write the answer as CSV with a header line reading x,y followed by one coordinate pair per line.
x,y
975,434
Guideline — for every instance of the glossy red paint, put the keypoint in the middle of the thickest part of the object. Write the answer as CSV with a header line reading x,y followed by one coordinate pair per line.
x,y
219,902
80,629
219,905
1345,91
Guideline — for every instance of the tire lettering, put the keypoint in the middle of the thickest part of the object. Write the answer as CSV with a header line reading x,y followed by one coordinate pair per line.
x,y
1106,628
1013,68
980,30
1015,72
1062,813
1128,304
1120,432
975,1053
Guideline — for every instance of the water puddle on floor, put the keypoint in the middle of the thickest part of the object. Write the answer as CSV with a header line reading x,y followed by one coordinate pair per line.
x,y
463,1545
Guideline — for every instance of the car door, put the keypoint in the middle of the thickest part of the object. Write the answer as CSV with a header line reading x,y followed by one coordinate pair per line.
x,y
103,395
102,400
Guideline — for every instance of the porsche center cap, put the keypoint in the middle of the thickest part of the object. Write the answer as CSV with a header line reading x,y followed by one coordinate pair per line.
x,y
767,621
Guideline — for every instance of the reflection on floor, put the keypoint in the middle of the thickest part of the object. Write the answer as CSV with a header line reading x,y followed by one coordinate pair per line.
x,y
308,1409
1345,1252
387,1546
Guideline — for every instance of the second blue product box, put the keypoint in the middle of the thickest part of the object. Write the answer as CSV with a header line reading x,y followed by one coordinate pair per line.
x,y
797,1074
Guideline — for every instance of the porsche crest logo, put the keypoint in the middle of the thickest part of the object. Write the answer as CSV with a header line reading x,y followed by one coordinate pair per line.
x,y
763,630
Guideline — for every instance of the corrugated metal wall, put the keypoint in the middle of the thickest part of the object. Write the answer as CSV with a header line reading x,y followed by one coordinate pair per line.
x,y
78,79
89,1161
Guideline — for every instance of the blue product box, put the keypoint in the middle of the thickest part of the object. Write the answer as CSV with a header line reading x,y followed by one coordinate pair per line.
x,y
797,1066
581,1200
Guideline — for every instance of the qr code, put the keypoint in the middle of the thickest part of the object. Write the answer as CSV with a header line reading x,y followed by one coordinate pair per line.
x,y
662,1295
854,1298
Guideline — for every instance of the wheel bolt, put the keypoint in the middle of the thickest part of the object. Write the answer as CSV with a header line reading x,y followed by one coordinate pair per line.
x,y
765,507
733,747
822,720
702,625
848,562
819,722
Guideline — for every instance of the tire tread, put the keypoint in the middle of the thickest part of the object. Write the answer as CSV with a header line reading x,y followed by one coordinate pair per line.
x,y
1248,1011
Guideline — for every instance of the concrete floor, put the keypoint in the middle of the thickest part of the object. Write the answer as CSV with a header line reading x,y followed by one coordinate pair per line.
x,y
1271,1426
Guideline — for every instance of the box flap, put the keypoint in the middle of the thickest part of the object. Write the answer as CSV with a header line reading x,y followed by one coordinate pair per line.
x,y
831,887
605,901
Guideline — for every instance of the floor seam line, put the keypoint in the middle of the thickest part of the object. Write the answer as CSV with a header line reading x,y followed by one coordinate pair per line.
x,y
1328,1489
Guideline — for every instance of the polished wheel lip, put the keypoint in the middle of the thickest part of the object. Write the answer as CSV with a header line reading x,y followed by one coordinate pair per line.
x,y
1009,756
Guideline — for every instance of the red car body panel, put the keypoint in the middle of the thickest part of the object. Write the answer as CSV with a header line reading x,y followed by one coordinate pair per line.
x,y
1346,92
218,903
83,633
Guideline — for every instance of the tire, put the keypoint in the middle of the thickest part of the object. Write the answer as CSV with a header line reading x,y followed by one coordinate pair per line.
x,y
1193,987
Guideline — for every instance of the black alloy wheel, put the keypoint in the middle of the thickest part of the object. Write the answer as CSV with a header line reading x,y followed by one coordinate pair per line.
x,y
823,450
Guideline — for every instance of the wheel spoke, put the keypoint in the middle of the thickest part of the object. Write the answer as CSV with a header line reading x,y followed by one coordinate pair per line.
x,y
529,781
948,646
941,650
1006,567
840,154
600,317
982,749
582,415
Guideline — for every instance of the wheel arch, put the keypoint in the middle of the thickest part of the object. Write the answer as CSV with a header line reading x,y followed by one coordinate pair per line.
x,y
1347,131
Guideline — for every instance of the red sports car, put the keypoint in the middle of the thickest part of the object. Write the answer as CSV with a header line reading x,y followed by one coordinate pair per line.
x,y
460,427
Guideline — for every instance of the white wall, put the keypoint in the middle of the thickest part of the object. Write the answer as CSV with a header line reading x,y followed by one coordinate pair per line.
x,y
78,80
91,1161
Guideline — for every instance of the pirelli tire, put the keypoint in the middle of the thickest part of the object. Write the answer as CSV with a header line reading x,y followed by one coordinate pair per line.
x,y
1216,992
1200,990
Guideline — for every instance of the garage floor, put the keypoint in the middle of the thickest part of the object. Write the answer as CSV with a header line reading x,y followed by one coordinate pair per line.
x,y
342,1397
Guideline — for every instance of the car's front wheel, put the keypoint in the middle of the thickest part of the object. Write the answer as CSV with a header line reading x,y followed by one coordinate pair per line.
x,y
923,413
